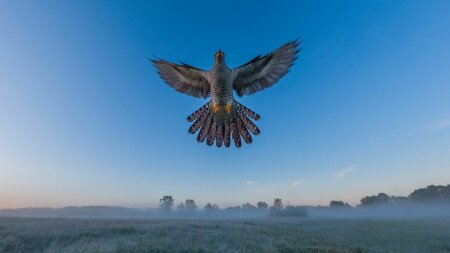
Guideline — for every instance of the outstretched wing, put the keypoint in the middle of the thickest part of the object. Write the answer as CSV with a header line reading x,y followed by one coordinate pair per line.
x,y
264,71
184,78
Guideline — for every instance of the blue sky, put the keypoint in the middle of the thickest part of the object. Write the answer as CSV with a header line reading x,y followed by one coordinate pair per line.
x,y
85,120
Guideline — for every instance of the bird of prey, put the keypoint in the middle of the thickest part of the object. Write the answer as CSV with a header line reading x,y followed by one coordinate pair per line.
x,y
223,118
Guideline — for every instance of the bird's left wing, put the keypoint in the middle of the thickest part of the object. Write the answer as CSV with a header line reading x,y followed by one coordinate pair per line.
x,y
184,78
264,71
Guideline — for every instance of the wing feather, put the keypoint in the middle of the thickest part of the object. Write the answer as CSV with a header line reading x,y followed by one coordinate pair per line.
x,y
263,71
184,78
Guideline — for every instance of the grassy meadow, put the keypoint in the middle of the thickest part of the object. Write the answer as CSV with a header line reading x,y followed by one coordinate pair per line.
x,y
251,235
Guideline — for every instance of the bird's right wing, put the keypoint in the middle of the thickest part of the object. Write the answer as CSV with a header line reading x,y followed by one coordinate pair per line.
x,y
184,78
263,71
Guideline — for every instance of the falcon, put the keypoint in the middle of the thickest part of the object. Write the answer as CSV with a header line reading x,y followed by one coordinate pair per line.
x,y
223,118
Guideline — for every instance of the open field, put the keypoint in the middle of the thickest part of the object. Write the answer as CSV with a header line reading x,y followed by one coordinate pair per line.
x,y
252,235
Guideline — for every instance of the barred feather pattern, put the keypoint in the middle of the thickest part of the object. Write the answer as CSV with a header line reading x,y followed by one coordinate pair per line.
x,y
264,71
215,129
223,120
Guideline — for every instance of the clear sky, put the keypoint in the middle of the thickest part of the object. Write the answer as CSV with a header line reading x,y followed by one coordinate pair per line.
x,y
85,120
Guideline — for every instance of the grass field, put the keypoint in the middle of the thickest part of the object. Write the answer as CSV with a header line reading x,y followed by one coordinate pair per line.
x,y
253,235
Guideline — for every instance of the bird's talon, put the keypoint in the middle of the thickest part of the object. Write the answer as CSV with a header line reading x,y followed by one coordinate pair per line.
x,y
228,108
215,108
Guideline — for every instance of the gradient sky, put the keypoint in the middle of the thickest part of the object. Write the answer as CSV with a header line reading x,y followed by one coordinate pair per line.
x,y
85,120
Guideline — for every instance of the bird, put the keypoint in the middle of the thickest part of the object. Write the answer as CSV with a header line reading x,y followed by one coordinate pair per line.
x,y
223,118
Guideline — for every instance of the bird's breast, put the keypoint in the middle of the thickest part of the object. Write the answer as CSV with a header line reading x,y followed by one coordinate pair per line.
x,y
221,89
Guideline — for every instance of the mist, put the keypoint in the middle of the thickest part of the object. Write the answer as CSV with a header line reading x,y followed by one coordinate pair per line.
x,y
406,211
431,201
116,212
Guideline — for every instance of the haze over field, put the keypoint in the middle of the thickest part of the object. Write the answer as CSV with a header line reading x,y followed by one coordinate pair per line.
x,y
261,235
353,154
85,120
429,202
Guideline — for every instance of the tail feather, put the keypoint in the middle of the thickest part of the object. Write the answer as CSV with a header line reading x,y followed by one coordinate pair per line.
x,y
197,113
211,134
198,123
219,135
220,129
248,123
227,136
205,129
235,134
243,131
249,112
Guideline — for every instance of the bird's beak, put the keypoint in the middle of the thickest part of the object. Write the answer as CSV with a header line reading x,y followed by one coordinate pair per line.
x,y
219,55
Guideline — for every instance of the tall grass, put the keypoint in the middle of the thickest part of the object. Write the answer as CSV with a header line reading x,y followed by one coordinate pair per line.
x,y
250,235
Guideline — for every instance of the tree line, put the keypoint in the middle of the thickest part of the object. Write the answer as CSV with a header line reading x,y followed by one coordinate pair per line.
x,y
429,194
166,204
189,205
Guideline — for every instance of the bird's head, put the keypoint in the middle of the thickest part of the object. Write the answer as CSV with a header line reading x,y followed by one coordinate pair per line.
x,y
219,55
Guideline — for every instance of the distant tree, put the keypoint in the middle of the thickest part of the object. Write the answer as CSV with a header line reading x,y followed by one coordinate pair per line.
x,y
339,203
277,204
381,198
233,208
446,190
181,207
211,207
166,203
290,211
262,205
399,200
277,207
431,193
447,193
190,205
248,206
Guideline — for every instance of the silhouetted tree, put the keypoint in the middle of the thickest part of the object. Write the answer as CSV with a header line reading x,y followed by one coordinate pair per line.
x,y
262,205
381,198
190,205
211,207
277,204
233,208
447,193
399,200
181,207
291,211
166,203
339,203
431,193
276,208
248,206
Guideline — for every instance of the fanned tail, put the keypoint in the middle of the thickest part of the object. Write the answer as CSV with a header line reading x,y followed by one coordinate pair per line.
x,y
221,131
211,134
249,112
227,136
248,123
205,128
235,134
198,113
